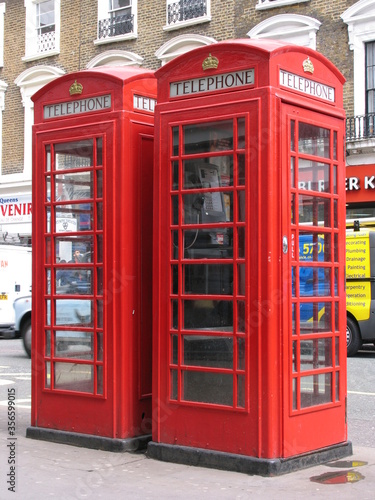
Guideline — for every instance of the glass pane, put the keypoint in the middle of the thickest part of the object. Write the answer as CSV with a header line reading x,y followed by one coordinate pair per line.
x,y
74,281
314,281
206,208
174,312
99,216
240,353
208,314
293,209
74,217
47,349
48,189
241,279
73,186
314,210
175,140
294,394
48,220
292,172
74,344
99,313
208,244
209,279
73,249
206,387
48,281
78,154
294,356
292,135
174,349
241,391
74,377
215,136
175,209
48,158
335,145
241,316
337,351
99,346
175,280
316,354
175,175
99,380
241,133
209,173
99,249
99,151
241,242
209,351
241,206
47,374
74,312
313,140
313,176
241,170
316,390
314,247
99,183
315,317
174,387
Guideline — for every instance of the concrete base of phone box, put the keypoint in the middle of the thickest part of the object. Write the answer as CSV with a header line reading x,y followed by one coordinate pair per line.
x,y
88,440
249,465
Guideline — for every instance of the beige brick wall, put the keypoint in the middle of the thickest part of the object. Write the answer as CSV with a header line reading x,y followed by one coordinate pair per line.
x,y
230,19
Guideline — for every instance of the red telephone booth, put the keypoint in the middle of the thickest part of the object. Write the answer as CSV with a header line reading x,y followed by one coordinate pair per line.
x,y
249,286
92,265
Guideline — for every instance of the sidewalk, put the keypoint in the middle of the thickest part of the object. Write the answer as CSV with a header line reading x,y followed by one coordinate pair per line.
x,y
50,470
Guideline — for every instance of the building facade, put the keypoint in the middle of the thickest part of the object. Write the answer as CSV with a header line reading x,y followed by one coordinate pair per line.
x,y
41,40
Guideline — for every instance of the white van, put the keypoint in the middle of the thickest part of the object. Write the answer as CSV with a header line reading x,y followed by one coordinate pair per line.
x,y
15,281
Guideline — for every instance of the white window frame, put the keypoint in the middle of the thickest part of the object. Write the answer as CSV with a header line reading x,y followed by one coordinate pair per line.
x,y
272,4
29,82
180,45
2,15
360,19
31,38
104,12
291,28
189,22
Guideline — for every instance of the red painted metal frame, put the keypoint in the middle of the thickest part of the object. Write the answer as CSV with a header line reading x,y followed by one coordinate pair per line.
x,y
123,408
264,427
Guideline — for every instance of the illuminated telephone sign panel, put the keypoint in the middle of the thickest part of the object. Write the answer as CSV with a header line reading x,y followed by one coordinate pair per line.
x,y
249,333
92,230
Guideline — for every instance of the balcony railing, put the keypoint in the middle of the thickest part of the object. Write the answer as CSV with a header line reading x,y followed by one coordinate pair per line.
x,y
46,42
360,127
114,26
184,10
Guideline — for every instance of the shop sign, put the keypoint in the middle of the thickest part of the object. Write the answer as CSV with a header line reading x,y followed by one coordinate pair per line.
x,y
15,209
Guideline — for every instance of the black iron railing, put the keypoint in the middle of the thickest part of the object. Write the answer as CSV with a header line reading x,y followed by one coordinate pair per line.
x,y
360,127
183,10
116,25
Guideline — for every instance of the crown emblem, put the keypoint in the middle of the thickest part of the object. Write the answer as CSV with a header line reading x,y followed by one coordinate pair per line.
x,y
75,88
211,62
308,66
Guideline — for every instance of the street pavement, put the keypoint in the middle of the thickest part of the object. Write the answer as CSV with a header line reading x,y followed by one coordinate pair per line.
x,y
45,470
51,470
